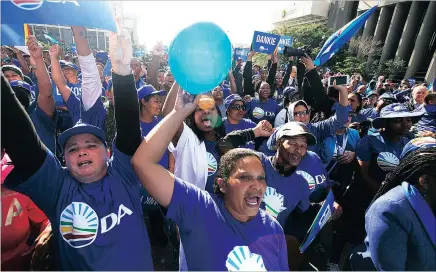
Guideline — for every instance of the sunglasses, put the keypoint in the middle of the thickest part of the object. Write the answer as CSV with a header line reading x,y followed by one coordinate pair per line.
x,y
301,113
239,107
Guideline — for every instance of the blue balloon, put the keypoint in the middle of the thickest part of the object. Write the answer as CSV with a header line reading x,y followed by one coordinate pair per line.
x,y
200,57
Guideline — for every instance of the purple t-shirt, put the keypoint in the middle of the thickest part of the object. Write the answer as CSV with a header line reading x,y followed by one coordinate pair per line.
x,y
243,124
145,129
97,226
213,240
258,111
94,116
213,160
283,194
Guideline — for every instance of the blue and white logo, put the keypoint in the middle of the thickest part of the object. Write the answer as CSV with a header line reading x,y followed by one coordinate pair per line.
x,y
241,259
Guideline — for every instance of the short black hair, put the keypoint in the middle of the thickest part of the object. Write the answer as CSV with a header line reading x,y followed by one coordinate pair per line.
x,y
227,165
429,97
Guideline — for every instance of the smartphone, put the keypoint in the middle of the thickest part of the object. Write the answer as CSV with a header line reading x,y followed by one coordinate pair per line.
x,y
340,80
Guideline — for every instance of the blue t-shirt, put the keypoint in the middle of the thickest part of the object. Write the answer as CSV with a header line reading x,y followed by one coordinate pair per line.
x,y
243,124
371,113
76,88
94,116
258,111
145,129
283,194
213,240
428,120
212,164
333,146
280,97
97,226
45,128
383,156
139,83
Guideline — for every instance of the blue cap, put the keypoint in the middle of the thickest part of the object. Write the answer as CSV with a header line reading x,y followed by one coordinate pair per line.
x,y
396,110
417,143
387,96
230,99
22,84
291,92
66,64
81,128
148,90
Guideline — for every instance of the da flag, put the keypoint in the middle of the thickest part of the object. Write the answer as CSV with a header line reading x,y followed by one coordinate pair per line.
x,y
12,34
91,14
321,219
265,42
284,41
342,36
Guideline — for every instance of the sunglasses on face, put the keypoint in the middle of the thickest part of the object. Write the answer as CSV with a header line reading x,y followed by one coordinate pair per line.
x,y
301,113
239,107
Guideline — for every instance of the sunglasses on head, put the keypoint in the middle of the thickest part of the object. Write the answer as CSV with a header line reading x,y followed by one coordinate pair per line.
x,y
239,107
301,113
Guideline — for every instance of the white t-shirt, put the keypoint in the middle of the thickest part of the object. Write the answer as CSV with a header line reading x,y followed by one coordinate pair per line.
x,y
280,118
191,158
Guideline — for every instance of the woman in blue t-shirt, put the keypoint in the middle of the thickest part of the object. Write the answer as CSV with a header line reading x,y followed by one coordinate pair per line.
x,y
401,223
220,231
262,108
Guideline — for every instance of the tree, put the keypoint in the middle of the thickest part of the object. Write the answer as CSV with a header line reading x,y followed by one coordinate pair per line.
x,y
260,59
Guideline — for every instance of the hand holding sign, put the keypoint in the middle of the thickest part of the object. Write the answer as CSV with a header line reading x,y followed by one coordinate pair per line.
x,y
55,51
120,51
35,49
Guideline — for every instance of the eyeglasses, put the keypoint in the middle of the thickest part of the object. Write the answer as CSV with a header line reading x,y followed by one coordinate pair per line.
x,y
239,107
301,113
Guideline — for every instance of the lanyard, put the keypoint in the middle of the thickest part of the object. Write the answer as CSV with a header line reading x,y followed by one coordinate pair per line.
x,y
339,150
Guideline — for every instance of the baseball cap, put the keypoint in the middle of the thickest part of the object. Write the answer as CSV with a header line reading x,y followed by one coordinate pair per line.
x,y
81,128
291,93
230,99
22,84
417,143
66,64
396,110
147,90
295,128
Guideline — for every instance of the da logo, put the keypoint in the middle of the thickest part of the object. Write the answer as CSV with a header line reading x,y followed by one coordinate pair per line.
x,y
258,113
27,4
241,259
310,180
79,224
274,202
211,164
387,161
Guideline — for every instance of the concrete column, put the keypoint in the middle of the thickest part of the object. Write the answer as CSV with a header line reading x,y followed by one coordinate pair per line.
x,y
395,30
383,24
370,26
411,29
360,32
425,35
431,72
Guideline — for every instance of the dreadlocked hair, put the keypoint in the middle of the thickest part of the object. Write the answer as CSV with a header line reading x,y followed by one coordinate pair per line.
x,y
414,165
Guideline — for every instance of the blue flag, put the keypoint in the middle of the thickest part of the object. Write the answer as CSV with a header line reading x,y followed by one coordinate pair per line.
x,y
284,41
265,42
92,14
321,219
341,37
73,49
50,39
12,34
241,53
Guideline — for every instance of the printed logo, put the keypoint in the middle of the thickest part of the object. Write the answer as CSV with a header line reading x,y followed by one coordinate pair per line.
x,y
262,48
274,202
310,180
387,161
27,4
78,224
211,164
258,113
325,217
241,259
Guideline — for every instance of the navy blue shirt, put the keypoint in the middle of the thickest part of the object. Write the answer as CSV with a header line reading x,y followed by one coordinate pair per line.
x,y
145,129
45,128
94,116
243,124
258,111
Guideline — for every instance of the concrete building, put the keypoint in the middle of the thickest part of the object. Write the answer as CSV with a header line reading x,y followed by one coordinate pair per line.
x,y
406,29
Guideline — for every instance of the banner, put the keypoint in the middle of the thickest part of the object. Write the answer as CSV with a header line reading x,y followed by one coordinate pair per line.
x,y
321,219
342,36
92,14
14,34
241,53
284,41
265,42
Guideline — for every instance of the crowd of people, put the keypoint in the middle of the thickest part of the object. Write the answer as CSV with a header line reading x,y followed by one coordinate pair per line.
x,y
125,170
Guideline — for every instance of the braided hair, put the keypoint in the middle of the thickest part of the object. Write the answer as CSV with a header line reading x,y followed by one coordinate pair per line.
x,y
413,166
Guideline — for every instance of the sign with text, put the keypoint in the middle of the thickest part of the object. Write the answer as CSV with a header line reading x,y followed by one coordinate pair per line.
x,y
265,42
284,41
241,53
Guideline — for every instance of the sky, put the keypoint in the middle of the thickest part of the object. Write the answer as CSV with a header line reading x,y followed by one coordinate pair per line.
x,y
162,20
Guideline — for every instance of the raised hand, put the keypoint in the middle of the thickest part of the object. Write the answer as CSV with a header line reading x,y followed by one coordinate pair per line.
x,y
158,49
251,55
35,49
120,51
54,51
308,62
185,102
274,58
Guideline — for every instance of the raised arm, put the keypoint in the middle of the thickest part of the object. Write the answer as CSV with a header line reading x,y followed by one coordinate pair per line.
x,y
56,73
233,87
169,106
45,97
248,74
91,83
158,181
153,67
125,95
272,73
22,62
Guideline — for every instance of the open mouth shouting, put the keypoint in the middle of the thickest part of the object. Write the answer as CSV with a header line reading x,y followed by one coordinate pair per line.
x,y
253,201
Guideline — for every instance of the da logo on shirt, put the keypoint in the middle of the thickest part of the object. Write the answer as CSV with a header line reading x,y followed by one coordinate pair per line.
x,y
241,259
79,224
258,113
274,202
387,161
308,177
211,164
